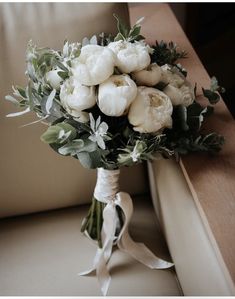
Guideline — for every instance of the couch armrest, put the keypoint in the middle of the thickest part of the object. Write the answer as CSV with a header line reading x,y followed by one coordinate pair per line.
x,y
215,191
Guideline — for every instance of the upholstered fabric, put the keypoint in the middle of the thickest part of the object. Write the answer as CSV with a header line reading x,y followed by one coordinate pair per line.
x,y
41,254
199,265
33,177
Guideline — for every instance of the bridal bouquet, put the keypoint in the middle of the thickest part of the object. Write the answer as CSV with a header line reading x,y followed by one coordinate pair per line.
x,y
112,102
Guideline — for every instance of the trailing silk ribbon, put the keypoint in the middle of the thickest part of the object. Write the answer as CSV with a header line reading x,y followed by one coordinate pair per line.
x,y
106,191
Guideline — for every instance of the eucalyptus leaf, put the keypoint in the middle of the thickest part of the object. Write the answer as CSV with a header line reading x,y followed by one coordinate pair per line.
x,y
53,133
71,148
213,97
90,160
49,101
63,75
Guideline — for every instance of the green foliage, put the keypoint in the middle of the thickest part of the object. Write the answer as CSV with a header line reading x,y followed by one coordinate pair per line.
x,y
166,53
59,133
126,33
211,143
104,141
212,94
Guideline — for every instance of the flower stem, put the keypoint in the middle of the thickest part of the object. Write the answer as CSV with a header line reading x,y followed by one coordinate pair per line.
x,y
99,212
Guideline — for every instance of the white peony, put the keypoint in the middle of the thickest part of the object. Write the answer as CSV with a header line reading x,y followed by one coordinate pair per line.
x,y
180,96
130,57
94,65
151,111
116,94
54,79
149,76
179,90
76,97
172,76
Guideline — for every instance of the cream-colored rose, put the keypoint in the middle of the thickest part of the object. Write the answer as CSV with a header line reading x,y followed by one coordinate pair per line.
x,y
116,94
149,76
94,65
54,79
151,110
130,57
76,97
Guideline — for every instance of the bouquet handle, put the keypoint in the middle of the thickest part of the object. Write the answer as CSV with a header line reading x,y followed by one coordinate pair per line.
x,y
124,241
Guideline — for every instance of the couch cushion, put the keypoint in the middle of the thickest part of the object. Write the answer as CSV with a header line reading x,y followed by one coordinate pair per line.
x,y
33,177
41,254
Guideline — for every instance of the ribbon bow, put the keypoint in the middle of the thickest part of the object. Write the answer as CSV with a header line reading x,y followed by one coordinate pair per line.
x,y
124,241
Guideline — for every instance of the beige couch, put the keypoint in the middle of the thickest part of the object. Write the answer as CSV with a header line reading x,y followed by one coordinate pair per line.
x,y
43,196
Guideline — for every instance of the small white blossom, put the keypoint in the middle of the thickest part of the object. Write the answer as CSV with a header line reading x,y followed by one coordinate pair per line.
x,y
138,150
99,131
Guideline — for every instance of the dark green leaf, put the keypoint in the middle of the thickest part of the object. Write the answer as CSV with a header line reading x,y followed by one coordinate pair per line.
x,y
122,27
213,97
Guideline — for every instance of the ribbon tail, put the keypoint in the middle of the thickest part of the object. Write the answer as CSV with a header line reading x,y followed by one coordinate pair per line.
x,y
141,253
125,243
103,254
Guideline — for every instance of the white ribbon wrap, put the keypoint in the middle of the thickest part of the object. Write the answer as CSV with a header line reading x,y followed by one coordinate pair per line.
x,y
106,191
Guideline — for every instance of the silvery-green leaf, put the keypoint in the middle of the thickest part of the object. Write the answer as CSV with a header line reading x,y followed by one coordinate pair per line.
x,y
93,40
35,122
71,148
66,49
68,128
12,100
214,84
88,146
18,113
53,133
50,101
55,111
63,75
85,41
140,20
90,160
118,37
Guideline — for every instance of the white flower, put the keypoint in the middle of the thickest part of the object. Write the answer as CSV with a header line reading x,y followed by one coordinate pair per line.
x,y
149,76
139,148
151,111
178,89
172,76
94,65
130,57
99,131
180,96
76,97
54,79
116,94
